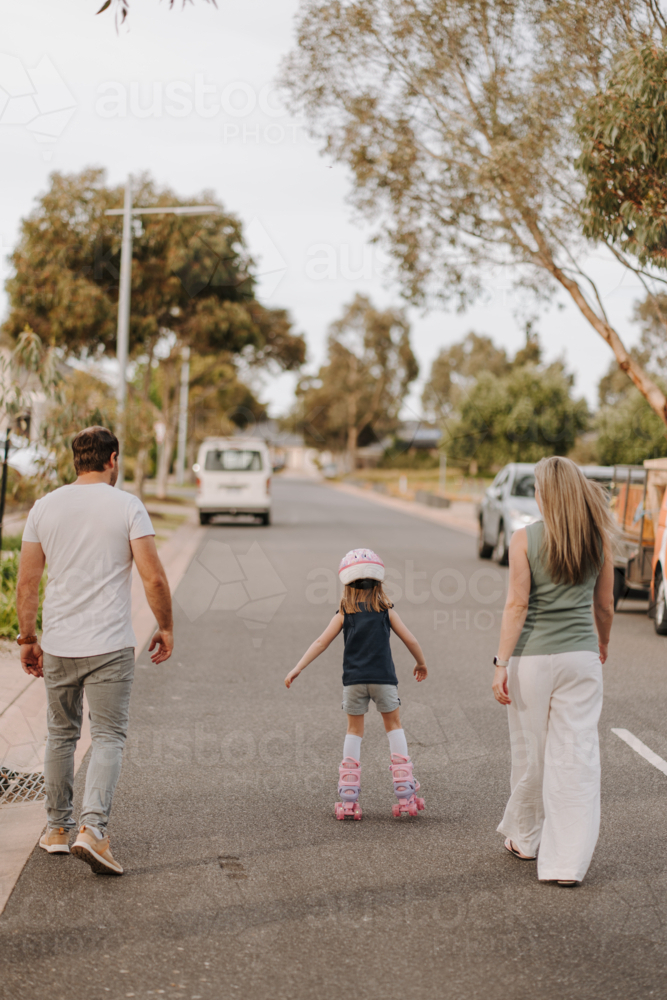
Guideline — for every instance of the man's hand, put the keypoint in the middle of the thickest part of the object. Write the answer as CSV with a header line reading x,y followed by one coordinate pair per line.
x,y
32,659
420,671
163,645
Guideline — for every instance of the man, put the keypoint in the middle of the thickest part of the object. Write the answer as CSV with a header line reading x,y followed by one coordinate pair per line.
x,y
88,533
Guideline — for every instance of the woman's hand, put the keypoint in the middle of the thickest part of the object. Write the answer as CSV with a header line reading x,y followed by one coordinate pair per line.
x,y
292,676
500,691
604,651
420,671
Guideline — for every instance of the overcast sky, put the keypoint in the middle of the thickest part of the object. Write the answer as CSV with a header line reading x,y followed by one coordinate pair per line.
x,y
188,96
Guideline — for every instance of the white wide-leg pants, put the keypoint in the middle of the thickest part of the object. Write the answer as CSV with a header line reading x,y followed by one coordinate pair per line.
x,y
555,781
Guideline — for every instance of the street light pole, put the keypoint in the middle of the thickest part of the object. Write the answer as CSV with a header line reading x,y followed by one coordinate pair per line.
x,y
3,488
123,330
183,417
124,298
442,479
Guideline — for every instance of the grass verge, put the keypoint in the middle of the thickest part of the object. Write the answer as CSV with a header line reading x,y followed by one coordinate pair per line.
x,y
9,623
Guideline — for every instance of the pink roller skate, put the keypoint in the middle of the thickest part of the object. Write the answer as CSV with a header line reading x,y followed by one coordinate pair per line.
x,y
405,787
349,786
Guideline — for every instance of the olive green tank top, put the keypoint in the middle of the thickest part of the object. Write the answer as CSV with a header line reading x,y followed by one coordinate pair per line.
x,y
560,615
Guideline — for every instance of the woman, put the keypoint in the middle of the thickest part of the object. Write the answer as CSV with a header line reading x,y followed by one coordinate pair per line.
x,y
549,672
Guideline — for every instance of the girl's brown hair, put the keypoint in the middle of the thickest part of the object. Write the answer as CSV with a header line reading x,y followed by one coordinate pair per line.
x,y
577,520
374,599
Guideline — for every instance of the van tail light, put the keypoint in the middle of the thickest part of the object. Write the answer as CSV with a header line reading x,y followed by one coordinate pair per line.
x,y
198,483
268,485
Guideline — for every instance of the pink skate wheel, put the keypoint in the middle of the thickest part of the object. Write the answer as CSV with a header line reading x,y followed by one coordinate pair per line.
x,y
412,809
357,811
421,804
396,811
339,810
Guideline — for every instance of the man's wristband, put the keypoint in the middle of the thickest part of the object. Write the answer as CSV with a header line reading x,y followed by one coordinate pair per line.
x,y
500,663
28,640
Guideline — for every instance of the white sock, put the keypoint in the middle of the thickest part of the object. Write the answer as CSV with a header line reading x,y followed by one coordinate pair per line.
x,y
96,833
398,742
352,747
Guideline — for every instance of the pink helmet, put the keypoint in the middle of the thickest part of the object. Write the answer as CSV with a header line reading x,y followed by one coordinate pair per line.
x,y
360,564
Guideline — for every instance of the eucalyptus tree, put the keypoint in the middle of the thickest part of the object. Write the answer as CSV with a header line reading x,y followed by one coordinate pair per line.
x,y
623,132
454,370
458,124
365,378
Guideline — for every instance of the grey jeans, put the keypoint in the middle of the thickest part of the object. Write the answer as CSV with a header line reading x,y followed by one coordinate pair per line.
x,y
107,681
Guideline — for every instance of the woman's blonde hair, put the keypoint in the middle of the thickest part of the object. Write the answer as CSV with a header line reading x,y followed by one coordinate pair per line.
x,y
577,520
374,599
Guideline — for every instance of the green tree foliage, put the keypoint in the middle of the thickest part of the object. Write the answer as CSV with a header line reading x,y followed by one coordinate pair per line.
x,y
651,315
623,132
27,367
629,431
9,623
360,389
500,410
455,369
457,122
191,287
82,400
190,275
520,417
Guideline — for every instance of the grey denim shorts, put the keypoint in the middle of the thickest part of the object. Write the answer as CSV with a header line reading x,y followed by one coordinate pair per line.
x,y
357,696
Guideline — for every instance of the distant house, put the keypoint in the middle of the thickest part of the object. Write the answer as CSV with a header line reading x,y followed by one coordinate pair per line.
x,y
410,436
288,451
418,435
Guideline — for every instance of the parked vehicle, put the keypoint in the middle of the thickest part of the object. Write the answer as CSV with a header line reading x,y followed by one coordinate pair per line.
x,y
658,589
640,507
634,542
233,477
509,504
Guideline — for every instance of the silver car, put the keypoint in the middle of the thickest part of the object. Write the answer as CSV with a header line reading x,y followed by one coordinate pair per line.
x,y
509,504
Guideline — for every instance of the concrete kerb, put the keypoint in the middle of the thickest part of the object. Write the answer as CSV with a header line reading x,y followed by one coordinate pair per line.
x,y
21,824
460,520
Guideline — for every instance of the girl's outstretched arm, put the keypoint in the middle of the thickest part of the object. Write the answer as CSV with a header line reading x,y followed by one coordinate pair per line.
x,y
317,647
406,636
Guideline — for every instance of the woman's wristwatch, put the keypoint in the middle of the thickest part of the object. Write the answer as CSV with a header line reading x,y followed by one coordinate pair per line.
x,y
500,663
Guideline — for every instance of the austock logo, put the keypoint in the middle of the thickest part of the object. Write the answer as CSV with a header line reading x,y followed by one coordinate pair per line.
x,y
36,98
220,580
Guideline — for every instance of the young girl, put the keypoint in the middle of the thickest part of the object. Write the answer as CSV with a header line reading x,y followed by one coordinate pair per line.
x,y
366,616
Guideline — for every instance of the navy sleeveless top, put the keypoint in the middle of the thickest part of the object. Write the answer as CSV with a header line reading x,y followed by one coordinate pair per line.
x,y
367,658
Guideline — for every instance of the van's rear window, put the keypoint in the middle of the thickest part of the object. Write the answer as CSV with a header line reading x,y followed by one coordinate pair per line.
x,y
233,460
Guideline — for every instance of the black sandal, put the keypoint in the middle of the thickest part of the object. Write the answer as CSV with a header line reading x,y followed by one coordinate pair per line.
x,y
509,846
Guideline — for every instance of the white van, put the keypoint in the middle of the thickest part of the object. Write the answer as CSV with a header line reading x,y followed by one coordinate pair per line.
x,y
233,477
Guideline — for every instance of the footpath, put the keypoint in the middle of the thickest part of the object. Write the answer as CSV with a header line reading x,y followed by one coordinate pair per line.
x,y
23,705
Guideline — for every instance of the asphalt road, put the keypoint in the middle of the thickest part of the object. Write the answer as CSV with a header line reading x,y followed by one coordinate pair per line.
x,y
240,883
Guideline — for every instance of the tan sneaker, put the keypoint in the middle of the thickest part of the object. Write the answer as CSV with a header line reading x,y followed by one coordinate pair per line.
x,y
55,841
95,853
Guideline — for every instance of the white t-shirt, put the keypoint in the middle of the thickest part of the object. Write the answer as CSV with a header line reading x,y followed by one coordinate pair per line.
x,y
85,532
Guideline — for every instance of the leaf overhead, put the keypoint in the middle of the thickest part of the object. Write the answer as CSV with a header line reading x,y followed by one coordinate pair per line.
x,y
623,157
